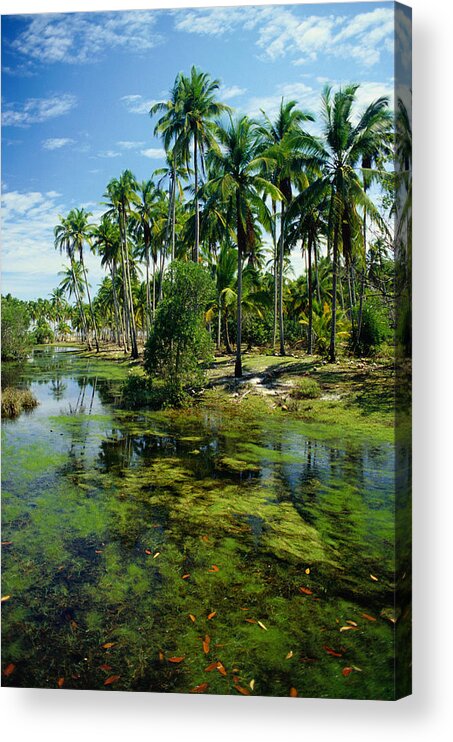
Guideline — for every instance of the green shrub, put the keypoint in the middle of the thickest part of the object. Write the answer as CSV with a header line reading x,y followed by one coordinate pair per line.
x,y
375,328
43,334
15,401
306,388
16,340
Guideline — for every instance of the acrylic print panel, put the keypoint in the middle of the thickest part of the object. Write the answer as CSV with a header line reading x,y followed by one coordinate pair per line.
x,y
206,350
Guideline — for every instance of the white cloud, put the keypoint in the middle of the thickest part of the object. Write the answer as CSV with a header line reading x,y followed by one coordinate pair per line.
x,y
109,154
76,38
137,103
56,143
130,145
232,91
37,110
154,153
306,97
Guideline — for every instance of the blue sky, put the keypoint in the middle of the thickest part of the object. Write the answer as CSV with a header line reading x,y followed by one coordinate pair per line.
x,y
77,87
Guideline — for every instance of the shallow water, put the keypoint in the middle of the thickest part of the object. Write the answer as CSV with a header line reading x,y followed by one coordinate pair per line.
x,y
128,530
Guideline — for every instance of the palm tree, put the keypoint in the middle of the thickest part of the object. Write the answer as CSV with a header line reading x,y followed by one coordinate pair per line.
x,y
339,156
106,238
72,284
240,185
286,138
122,192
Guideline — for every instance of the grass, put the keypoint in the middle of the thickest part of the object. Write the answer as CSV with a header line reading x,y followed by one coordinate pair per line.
x,y
15,401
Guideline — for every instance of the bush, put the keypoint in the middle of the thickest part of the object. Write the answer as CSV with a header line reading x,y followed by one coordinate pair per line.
x,y
179,345
16,340
43,334
306,388
375,328
138,391
15,401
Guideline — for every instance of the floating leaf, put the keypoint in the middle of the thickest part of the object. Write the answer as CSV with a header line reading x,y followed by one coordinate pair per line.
x,y
214,568
60,682
352,623
185,577
307,571
5,598
289,655
260,623
348,628
156,554
306,590
293,692
148,551
250,620
176,659
108,645
375,579
331,651
206,643
243,691
9,669
106,668
252,685
346,671
199,688
368,617
112,679
211,615
211,667
192,617
220,667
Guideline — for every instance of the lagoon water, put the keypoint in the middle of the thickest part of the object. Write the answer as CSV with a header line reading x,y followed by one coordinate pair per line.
x,y
203,550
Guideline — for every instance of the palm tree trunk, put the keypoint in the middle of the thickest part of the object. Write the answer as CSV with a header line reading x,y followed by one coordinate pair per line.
x,y
79,302
154,288
197,212
130,303
333,328
240,239
219,323
362,285
280,284
115,305
318,289
310,301
229,349
148,295
173,217
96,339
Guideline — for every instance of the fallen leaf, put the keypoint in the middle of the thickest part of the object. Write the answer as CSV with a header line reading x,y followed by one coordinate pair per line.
x,y
293,692
214,568
252,685
185,577
156,554
243,609
260,623
368,617
348,628
306,590
6,543
220,667
60,682
161,656
235,679
374,578
148,551
289,655
250,620
199,688
331,651
192,617
307,571
73,625
211,615
357,669
211,667
243,691
98,551
346,671
108,645
112,679
352,623
106,668
76,676
175,659
9,669
5,598
205,539
206,643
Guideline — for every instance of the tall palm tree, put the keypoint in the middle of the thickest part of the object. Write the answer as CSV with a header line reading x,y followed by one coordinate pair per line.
x,y
286,138
106,239
122,193
72,284
239,183
346,140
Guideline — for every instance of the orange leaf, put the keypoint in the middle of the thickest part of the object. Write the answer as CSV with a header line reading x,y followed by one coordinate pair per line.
x,y
346,671
106,668
112,679
161,656
6,543
73,625
293,692
192,617
211,667
60,682
214,568
221,669
368,617
5,598
244,691
176,659
206,643
9,669
352,623
98,551
331,651
205,539
250,620
185,577
306,590
211,615
148,551
235,679
199,688
108,645
243,609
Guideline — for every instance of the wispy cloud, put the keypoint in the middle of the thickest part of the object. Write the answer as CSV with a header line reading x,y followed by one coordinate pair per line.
x,y
77,38
232,91
283,31
109,154
37,110
137,103
130,145
56,143
154,153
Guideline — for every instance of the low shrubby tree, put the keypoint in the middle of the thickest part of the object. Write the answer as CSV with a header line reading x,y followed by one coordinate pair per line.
x,y
16,339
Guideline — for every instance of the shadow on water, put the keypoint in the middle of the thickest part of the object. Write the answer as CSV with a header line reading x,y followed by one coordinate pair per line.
x,y
151,546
